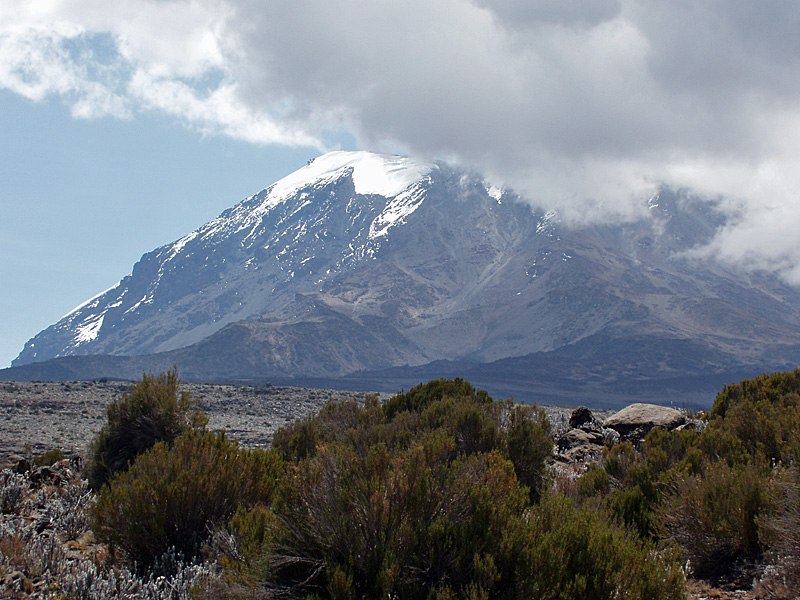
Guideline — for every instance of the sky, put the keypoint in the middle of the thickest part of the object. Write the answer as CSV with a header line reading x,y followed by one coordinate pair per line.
x,y
125,125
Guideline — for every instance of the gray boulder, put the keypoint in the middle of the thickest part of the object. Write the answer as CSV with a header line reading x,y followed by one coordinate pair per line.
x,y
637,419
610,437
580,437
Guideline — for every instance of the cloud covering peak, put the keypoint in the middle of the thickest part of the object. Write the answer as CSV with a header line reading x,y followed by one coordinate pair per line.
x,y
587,106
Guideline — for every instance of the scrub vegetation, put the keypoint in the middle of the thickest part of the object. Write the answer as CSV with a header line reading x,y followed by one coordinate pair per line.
x,y
438,493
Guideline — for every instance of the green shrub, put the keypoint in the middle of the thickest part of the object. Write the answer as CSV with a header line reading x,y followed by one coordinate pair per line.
x,y
419,397
49,458
152,411
762,413
570,552
411,499
297,440
633,491
529,445
781,527
172,495
595,481
435,496
714,516
404,525
634,480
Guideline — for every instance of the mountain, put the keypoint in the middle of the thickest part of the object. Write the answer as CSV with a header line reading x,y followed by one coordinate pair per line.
x,y
381,268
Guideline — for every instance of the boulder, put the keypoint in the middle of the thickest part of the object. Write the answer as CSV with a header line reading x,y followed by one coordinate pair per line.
x,y
640,418
579,458
610,437
580,416
45,475
580,437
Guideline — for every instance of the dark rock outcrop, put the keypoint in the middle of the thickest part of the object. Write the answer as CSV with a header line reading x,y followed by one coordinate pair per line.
x,y
580,416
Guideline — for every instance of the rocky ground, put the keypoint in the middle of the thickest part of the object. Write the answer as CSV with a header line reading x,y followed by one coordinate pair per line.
x,y
66,415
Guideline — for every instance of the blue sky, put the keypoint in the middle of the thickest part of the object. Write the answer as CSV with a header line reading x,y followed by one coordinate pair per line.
x,y
125,125
82,200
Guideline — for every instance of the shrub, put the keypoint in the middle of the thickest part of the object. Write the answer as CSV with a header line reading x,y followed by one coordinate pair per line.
x,y
782,527
411,499
570,552
172,495
49,458
419,397
152,411
297,440
424,498
404,525
529,445
631,490
13,487
714,516
763,414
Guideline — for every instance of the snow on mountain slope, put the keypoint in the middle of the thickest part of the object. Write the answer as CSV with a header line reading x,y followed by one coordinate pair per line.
x,y
372,174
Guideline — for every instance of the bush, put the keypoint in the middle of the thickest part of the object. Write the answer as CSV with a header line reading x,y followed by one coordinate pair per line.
x,y
433,496
714,516
763,414
529,446
152,411
13,487
172,495
570,552
410,499
782,528
49,458
421,396
403,525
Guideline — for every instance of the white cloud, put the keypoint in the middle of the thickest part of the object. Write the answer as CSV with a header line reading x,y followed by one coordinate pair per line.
x,y
582,104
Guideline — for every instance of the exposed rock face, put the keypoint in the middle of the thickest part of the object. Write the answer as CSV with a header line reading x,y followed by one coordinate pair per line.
x,y
640,418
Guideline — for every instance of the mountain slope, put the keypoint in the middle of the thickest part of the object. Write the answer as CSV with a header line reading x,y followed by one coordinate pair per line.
x,y
361,262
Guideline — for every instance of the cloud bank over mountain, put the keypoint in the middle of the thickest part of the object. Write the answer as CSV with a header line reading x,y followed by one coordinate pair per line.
x,y
584,106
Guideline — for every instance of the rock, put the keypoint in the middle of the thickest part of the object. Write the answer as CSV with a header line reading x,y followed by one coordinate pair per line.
x,y
580,457
21,465
610,437
580,437
637,419
42,475
580,416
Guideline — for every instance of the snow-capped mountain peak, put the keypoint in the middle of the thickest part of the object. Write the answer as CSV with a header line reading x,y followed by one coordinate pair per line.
x,y
379,174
